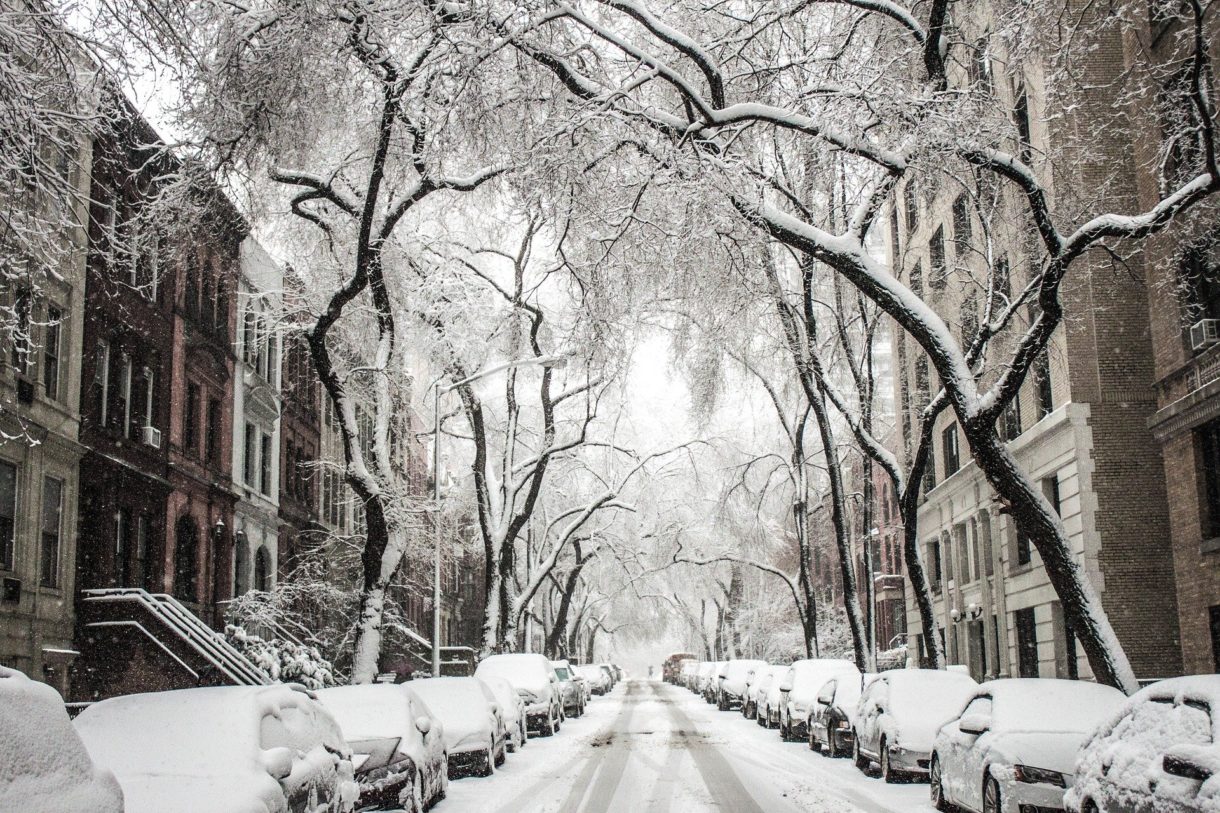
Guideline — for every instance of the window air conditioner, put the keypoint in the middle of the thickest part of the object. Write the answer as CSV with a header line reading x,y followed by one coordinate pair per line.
x,y
152,436
1204,333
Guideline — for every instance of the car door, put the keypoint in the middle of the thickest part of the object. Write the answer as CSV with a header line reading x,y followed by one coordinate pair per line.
x,y
1191,723
962,768
868,718
819,718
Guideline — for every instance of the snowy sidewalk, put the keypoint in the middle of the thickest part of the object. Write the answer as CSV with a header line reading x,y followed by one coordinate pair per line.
x,y
654,748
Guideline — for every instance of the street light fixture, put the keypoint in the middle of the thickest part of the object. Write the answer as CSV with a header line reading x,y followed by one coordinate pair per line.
x,y
547,362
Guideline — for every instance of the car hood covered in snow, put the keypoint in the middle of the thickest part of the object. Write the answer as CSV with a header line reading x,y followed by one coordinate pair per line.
x,y
43,764
529,672
463,709
921,701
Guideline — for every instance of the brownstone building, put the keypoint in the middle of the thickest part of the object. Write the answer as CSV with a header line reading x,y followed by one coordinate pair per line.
x,y
1184,307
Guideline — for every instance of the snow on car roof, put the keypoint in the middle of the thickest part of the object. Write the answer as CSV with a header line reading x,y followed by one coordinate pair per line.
x,y
928,695
1050,704
43,763
523,670
368,711
460,703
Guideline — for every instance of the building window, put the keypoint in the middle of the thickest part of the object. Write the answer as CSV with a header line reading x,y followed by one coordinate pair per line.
x,y
1024,549
1042,385
1209,448
1009,424
1050,490
50,353
910,201
23,305
895,238
190,433
934,565
1027,643
949,449
125,380
938,272
52,509
1001,285
122,547
264,469
1213,614
961,227
186,559
143,559
262,570
8,513
192,286
249,451
916,276
150,384
214,430
101,380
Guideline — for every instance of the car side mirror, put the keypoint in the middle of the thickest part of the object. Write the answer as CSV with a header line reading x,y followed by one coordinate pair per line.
x,y
424,724
1177,763
785,686
278,762
974,724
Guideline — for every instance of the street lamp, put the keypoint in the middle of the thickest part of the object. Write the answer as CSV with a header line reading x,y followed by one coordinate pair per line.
x,y
551,362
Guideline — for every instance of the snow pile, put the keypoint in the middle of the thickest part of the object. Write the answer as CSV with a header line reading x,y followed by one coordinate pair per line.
x,y
465,707
216,749
285,661
44,767
1122,764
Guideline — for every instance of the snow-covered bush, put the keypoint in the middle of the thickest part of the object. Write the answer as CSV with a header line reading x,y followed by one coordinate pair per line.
x,y
283,659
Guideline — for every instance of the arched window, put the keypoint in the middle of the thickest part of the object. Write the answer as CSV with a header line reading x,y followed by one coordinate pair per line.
x,y
262,569
241,567
186,559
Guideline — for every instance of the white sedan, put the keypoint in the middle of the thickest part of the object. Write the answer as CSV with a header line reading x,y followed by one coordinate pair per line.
x,y
1013,747
475,735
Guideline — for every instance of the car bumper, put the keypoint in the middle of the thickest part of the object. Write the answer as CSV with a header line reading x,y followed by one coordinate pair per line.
x,y
1029,797
731,700
909,761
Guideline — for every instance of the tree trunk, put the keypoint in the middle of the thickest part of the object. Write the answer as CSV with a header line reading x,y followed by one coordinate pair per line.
x,y
558,634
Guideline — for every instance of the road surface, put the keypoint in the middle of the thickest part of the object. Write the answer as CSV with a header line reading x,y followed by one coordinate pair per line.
x,y
653,748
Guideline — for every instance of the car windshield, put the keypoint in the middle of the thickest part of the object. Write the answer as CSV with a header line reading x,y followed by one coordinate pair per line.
x,y
562,673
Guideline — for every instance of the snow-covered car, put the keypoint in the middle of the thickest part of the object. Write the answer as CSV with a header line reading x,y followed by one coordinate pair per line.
x,y
756,687
398,744
900,714
595,678
534,679
834,712
570,691
43,763
686,677
475,736
705,671
731,690
268,748
770,699
611,674
1015,743
512,709
711,681
1159,752
799,689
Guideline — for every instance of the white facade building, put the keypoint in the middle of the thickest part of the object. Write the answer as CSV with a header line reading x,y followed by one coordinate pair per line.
x,y
256,420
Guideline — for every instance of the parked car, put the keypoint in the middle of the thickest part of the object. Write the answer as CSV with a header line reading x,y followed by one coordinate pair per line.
x,y
834,712
571,694
706,670
672,667
512,709
799,690
711,683
534,679
1015,743
731,690
756,687
1159,752
475,735
398,744
596,678
899,715
611,674
272,748
686,677
43,763
771,699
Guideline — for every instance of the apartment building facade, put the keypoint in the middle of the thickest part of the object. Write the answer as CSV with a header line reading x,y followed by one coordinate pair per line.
x,y
1079,425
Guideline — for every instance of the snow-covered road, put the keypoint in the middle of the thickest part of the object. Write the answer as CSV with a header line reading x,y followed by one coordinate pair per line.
x,y
653,748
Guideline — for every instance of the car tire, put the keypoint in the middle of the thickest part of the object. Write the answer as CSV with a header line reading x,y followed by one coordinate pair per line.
x,y
1089,806
936,787
550,726
888,774
814,745
489,764
832,744
417,795
503,754
859,759
991,794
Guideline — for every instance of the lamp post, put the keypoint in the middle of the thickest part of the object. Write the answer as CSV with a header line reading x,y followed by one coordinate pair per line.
x,y
553,362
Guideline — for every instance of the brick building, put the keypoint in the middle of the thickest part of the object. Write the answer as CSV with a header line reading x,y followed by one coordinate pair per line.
x,y
1184,311
1079,426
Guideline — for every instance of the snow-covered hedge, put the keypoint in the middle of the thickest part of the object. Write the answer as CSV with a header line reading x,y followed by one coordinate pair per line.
x,y
283,660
